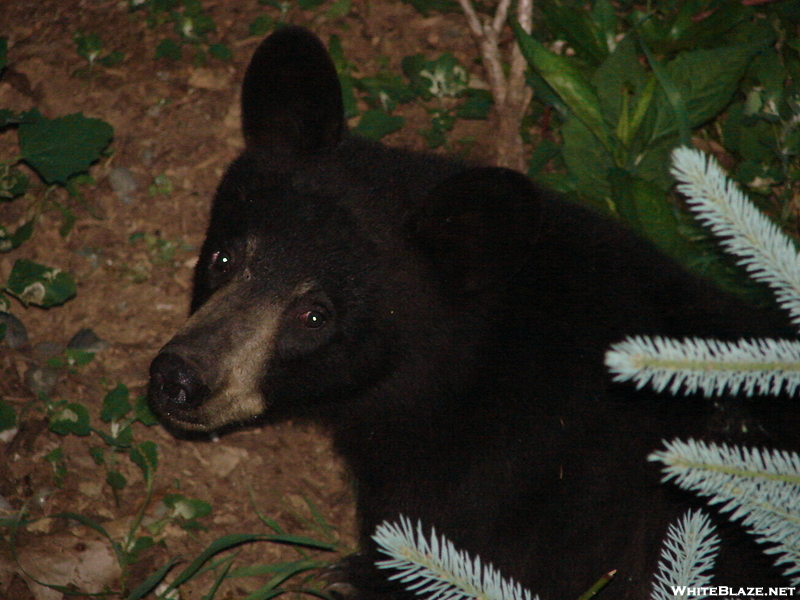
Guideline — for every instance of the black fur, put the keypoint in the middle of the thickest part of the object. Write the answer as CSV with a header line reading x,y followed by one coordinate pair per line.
x,y
447,325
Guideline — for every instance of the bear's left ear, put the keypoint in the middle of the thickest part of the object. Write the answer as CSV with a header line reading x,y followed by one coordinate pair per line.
x,y
291,97
478,227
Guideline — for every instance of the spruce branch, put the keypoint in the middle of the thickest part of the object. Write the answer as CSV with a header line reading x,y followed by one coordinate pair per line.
x,y
751,366
687,557
758,487
436,569
763,366
764,250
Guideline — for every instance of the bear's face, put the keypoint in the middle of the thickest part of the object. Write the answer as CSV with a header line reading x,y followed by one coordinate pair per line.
x,y
286,312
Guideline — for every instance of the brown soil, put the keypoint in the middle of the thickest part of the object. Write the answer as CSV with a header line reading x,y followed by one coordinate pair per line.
x,y
177,119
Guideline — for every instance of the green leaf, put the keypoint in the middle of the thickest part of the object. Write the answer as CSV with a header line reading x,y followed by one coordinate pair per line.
x,y
343,69
187,508
89,46
62,147
120,438
145,456
13,182
261,26
149,584
3,52
21,235
37,284
386,91
220,52
308,4
231,541
424,7
8,416
339,8
66,418
115,404
98,455
439,78
644,206
8,117
696,86
116,480
169,49
112,58
570,84
476,106
143,413
375,124
588,162
580,31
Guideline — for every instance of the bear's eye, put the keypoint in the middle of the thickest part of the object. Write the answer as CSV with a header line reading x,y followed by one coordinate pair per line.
x,y
313,319
221,261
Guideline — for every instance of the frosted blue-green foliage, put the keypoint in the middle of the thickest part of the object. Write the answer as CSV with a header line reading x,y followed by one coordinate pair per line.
x,y
760,488
714,367
434,568
688,555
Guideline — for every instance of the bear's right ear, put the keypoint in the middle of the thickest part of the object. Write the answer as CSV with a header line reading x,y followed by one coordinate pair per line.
x,y
478,227
291,97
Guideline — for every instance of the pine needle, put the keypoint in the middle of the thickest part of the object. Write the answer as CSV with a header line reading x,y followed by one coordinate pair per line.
x,y
436,569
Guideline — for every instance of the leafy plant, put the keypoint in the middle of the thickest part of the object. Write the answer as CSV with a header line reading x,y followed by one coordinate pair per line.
x,y
192,26
90,47
634,85
60,151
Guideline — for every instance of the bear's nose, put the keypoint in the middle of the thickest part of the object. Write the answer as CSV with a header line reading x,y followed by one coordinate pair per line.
x,y
175,384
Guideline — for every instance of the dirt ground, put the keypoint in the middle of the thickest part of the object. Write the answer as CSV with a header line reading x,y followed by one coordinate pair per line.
x,y
180,120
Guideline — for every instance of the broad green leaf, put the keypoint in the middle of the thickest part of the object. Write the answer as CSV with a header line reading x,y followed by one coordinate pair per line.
x,y
68,418
588,162
570,84
701,83
37,284
644,206
115,404
375,124
62,147
577,27
621,84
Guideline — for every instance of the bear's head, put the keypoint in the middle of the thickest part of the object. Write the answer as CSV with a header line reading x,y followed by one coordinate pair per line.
x,y
331,263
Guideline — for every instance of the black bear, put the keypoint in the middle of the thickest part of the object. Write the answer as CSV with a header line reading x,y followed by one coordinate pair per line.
x,y
447,325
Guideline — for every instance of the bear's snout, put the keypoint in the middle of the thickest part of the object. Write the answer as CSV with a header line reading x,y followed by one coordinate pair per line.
x,y
175,385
